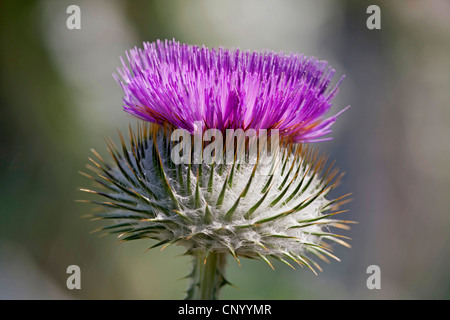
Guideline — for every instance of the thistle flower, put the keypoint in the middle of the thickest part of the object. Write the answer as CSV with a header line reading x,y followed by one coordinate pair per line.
x,y
269,206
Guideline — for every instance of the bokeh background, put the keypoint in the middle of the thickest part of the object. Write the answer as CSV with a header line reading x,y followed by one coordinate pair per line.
x,y
58,99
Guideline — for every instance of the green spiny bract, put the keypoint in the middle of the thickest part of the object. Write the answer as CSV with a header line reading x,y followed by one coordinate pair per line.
x,y
274,209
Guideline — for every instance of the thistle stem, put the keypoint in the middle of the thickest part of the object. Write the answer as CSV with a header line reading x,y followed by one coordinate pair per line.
x,y
207,276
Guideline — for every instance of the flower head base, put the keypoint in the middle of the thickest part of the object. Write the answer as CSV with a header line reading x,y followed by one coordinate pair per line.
x,y
275,209
172,83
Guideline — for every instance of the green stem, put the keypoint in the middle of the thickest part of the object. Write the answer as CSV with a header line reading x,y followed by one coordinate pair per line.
x,y
207,276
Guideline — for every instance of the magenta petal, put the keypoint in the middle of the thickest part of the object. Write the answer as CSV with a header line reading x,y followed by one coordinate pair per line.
x,y
179,84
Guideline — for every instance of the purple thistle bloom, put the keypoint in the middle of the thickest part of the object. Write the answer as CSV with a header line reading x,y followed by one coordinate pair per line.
x,y
261,206
179,84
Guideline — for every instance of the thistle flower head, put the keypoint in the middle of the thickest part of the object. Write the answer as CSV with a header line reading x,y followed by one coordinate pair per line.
x,y
274,205
179,84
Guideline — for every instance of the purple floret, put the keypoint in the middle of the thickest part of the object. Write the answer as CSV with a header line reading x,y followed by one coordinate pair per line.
x,y
180,84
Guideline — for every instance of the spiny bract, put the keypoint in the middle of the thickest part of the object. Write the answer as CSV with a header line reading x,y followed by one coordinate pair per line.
x,y
255,209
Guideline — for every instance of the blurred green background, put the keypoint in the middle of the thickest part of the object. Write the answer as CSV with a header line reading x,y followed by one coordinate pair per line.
x,y
58,99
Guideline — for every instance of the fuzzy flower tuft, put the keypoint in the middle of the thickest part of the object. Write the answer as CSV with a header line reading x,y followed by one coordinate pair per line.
x,y
180,84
